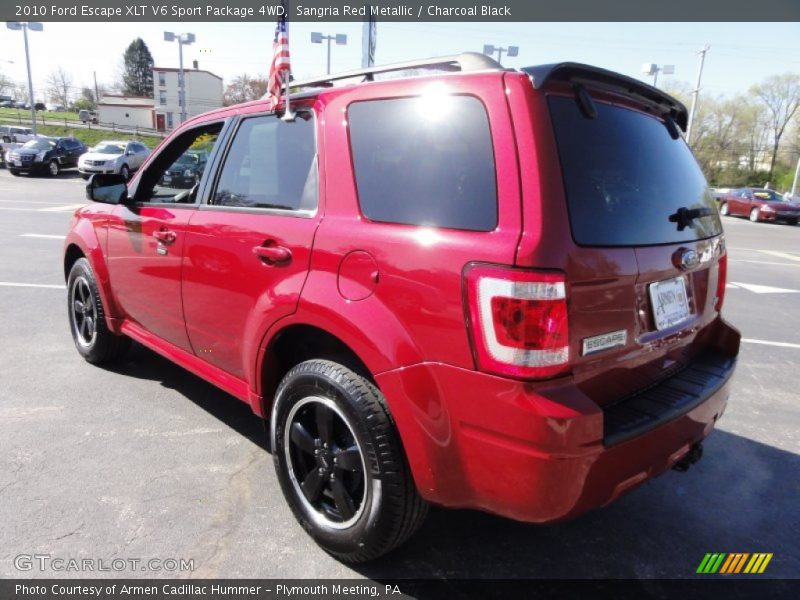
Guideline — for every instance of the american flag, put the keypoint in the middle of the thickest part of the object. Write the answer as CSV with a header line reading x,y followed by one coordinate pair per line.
x,y
280,59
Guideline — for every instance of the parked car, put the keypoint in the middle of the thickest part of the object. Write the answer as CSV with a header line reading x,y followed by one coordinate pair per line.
x,y
113,157
759,204
6,102
13,133
488,289
186,171
45,155
87,115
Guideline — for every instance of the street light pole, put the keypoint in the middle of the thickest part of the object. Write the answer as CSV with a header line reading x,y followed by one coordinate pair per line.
x,y
182,38
339,38
696,92
34,26
511,51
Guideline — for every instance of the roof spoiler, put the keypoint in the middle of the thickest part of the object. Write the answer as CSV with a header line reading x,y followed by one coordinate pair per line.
x,y
594,77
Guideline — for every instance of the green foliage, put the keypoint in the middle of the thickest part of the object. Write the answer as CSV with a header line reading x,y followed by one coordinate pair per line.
x,y
137,77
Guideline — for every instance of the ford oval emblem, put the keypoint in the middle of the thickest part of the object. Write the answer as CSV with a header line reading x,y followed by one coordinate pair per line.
x,y
689,259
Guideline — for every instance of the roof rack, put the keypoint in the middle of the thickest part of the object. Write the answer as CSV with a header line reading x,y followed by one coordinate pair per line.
x,y
466,61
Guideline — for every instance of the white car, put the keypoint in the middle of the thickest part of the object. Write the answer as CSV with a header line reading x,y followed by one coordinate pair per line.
x,y
113,157
12,133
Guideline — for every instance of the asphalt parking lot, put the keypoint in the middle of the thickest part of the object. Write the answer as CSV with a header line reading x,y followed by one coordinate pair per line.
x,y
147,461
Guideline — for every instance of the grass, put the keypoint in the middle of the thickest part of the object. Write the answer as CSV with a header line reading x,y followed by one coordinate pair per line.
x,y
92,137
23,117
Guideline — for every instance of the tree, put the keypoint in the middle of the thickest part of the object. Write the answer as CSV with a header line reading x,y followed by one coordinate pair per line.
x,y
59,83
87,99
21,93
244,88
6,84
780,94
137,74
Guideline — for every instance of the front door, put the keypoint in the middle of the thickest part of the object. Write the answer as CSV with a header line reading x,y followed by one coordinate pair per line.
x,y
248,249
146,240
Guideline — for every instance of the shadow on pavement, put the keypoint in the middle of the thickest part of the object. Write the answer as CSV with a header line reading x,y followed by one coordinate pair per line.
x,y
742,497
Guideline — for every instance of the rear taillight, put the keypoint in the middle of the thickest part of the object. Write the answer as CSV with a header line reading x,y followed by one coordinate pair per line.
x,y
722,276
518,321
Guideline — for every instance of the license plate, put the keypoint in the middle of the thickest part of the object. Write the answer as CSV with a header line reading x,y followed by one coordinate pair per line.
x,y
167,179
17,163
670,305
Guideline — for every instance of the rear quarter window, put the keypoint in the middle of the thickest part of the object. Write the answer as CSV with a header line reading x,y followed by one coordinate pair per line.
x,y
624,175
421,164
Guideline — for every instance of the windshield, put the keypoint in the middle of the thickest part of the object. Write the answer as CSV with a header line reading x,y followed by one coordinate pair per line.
x,y
103,148
40,144
768,196
624,176
188,159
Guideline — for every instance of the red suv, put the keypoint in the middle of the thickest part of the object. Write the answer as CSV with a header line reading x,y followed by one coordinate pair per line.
x,y
439,282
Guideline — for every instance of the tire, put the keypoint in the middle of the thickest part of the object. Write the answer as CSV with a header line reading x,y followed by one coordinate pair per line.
x,y
791,222
93,340
85,177
724,210
6,139
53,169
125,172
365,508
14,172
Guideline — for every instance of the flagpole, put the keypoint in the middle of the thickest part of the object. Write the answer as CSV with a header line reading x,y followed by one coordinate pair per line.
x,y
288,115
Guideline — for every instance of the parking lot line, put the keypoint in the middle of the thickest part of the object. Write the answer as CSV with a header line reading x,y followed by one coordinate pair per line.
x,y
62,208
43,235
763,262
33,285
777,254
768,343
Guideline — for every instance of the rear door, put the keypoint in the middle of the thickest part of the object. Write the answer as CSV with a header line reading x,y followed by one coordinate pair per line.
x,y
248,248
642,268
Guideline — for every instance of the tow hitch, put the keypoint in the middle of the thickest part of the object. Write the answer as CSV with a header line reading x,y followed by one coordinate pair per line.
x,y
694,454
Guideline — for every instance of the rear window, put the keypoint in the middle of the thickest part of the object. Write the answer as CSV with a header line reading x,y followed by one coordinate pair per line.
x,y
624,175
420,163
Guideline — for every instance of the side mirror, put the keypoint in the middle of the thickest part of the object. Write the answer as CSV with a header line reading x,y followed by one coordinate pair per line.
x,y
108,189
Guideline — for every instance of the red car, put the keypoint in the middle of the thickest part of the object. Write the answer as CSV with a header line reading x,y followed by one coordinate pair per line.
x,y
464,286
759,205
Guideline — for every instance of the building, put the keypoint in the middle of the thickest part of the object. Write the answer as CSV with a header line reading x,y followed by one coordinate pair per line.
x,y
131,111
203,93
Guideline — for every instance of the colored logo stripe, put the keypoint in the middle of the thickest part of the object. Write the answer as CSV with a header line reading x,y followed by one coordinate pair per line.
x,y
727,564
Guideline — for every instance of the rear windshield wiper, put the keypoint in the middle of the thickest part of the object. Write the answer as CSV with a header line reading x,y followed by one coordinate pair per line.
x,y
684,216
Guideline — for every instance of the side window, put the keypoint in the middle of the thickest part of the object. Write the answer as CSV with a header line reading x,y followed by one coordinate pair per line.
x,y
179,167
423,162
271,164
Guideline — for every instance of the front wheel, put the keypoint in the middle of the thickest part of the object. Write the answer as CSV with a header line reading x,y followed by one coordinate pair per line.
x,y
125,172
724,210
340,462
14,172
93,340
53,168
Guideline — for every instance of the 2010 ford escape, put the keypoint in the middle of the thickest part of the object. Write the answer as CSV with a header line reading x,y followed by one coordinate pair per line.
x,y
441,282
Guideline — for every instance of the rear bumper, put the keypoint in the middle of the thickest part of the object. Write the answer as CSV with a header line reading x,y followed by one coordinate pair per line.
x,y
544,452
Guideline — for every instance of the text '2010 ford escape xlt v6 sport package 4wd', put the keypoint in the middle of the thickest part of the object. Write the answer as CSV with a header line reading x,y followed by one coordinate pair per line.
x,y
461,285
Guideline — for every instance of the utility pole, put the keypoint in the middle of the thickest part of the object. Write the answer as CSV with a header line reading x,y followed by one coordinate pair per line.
x,y
183,39
339,38
96,92
696,92
796,175
511,51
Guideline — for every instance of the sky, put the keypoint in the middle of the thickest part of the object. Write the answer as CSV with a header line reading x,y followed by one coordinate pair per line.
x,y
740,55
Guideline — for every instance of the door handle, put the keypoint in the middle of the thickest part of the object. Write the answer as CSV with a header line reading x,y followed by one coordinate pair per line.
x,y
165,236
272,254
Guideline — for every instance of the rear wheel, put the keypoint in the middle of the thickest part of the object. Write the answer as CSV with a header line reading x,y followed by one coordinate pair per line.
x,y
93,340
340,462
755,215
723,209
